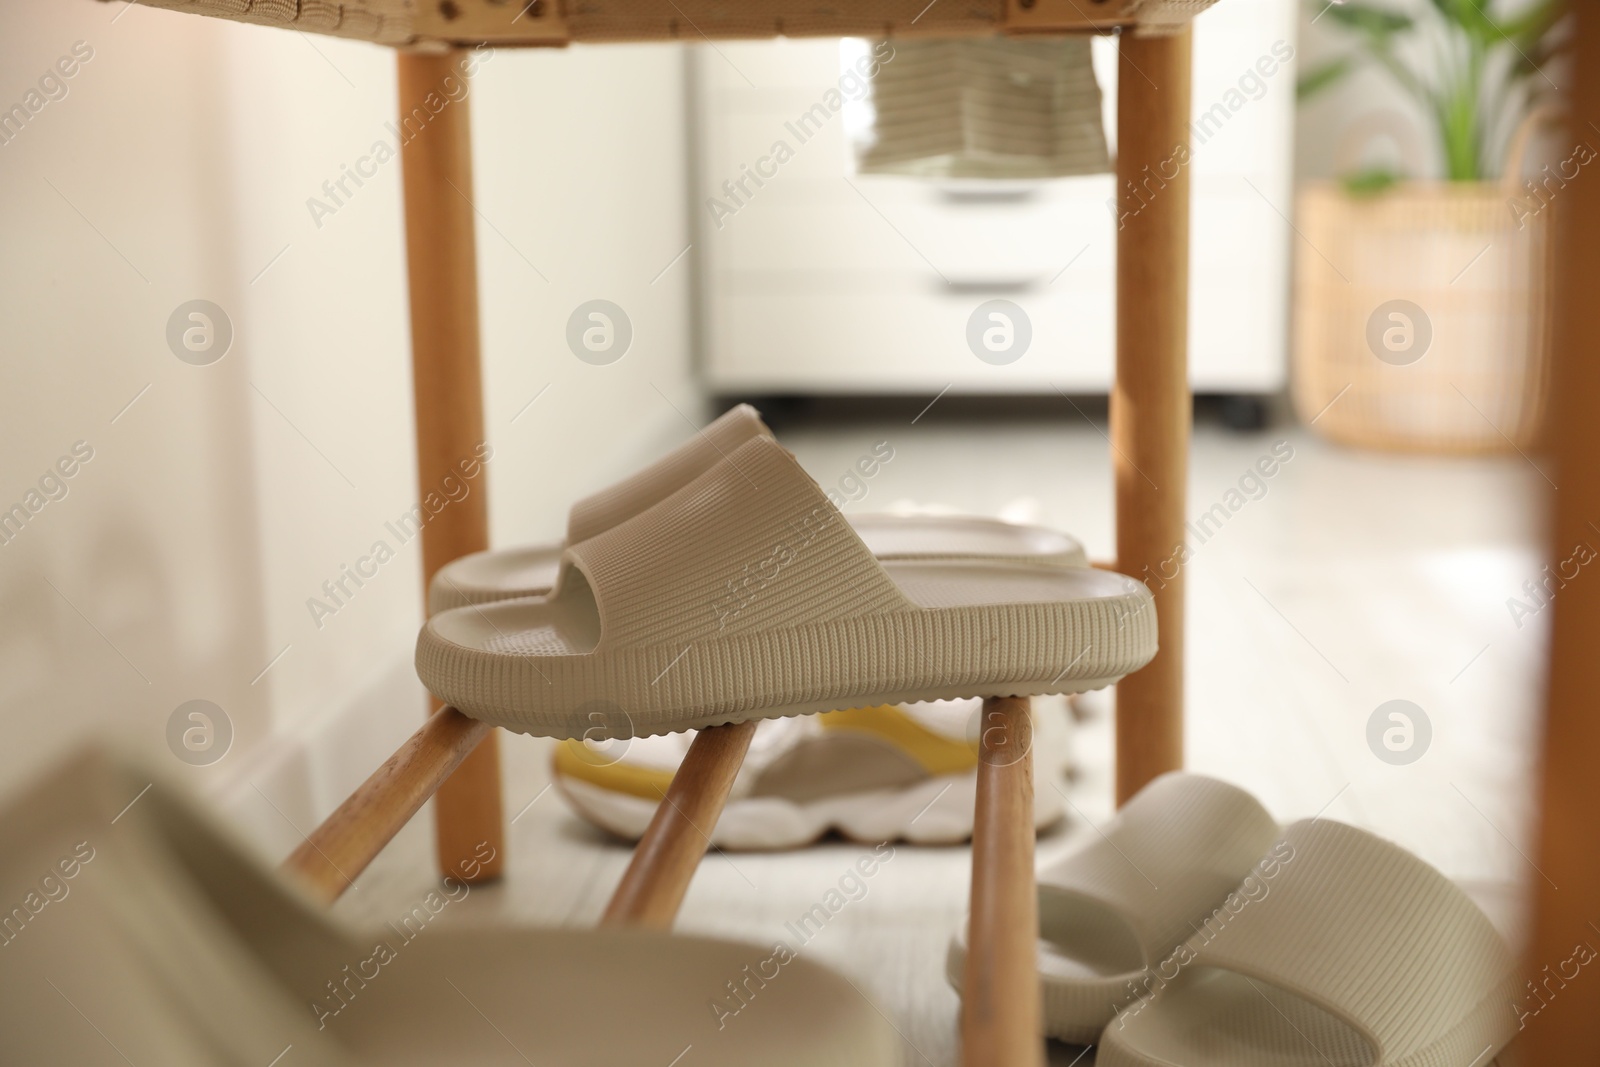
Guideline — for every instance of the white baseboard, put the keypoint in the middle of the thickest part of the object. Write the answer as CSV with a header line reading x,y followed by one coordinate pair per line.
x,y
296,778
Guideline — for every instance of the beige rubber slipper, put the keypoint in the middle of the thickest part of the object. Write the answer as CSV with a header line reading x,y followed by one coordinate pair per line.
x,y
1176,857
745,595
505,574
1361,955
143,933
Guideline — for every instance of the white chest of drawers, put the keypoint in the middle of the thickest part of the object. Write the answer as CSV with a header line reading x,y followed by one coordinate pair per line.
x,y
817,280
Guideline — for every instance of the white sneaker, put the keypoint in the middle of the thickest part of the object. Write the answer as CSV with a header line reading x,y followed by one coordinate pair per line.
x,y
886,773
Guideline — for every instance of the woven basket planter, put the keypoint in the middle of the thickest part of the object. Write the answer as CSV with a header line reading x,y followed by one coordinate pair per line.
x,y
1422,315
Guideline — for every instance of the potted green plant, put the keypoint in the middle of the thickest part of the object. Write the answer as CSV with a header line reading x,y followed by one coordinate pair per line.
x,y
1422,303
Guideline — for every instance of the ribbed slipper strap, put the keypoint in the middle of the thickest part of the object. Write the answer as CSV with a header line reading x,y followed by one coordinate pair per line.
x,y
599,512
1168,859
1368,932
753,544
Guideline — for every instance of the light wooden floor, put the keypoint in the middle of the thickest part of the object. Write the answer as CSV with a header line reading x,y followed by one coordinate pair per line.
x,y
1355,579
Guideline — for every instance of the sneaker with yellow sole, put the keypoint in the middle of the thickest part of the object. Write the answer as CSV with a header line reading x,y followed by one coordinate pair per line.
x,y
886,773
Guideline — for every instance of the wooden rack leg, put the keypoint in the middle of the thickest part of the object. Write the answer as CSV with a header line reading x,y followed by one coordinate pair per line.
x,y
436,159
339,850
1000,1000
1150,401
653,886
1568,1029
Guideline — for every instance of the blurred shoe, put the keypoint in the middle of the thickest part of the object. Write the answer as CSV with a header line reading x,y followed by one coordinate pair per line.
x,y
138,930
887,773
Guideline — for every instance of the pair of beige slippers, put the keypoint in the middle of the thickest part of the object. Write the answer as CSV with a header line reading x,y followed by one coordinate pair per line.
x,y
1194,932
721,584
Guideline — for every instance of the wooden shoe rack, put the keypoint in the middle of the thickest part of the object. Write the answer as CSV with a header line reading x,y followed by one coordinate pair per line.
x,y
455,759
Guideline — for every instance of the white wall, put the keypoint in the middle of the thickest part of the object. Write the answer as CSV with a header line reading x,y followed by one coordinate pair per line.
x,y
179,563
143,587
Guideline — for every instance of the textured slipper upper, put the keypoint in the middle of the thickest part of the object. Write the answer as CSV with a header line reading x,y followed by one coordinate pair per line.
x,y
638,492
754,546
1168,860
1112,912
1359,950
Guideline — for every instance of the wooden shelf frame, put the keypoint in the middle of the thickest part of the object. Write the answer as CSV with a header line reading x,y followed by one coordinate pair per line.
x,y
1150,426
439,25
455,758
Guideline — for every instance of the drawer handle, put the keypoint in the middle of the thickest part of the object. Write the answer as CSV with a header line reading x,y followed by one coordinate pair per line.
x,y
990,192
980,286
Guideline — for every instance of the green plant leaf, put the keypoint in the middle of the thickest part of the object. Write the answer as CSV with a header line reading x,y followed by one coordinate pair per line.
x,y
1369,182
1459,126
1455,80
1528,27
1472,18
1370,19
1323,76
